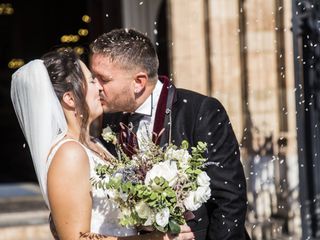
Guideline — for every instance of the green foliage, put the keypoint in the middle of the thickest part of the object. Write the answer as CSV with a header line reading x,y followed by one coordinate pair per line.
x,y
185,145
174,227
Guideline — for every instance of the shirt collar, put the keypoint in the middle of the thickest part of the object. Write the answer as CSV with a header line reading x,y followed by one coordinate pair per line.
x,y
147,108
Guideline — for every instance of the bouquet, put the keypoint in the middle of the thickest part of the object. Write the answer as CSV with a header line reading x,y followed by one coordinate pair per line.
x,y
156,186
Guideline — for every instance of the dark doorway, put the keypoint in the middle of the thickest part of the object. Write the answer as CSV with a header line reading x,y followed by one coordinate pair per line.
x,y
162,42
28,29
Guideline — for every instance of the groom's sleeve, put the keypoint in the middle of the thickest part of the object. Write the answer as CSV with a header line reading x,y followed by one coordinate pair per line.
x,y
228,202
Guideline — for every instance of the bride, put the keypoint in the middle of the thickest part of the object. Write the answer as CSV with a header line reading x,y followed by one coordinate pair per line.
x,y
56,99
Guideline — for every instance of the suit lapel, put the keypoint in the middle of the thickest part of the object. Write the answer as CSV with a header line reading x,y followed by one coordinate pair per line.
x,y
162,124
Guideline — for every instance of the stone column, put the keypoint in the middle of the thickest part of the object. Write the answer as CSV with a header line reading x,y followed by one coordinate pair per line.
x,y
188,45
225,58
262,68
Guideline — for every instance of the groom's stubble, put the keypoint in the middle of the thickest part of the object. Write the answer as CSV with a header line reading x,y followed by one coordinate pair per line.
x,y
121,101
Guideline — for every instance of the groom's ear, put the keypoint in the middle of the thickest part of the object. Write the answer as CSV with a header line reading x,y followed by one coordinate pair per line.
x,y
68,99
140,82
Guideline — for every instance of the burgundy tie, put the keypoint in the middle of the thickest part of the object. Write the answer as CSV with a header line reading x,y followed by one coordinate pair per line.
x,y
134,120
129,128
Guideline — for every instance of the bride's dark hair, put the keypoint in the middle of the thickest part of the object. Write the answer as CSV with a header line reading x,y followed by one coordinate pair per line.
x,y
66,75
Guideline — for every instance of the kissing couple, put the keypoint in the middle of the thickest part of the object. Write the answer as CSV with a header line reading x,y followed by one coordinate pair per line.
x,y
57,99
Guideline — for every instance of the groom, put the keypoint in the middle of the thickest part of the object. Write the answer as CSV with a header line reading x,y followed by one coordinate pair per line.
x,y
126,64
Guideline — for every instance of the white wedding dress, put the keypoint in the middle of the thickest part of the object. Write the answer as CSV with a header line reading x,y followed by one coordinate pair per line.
x,y
104,215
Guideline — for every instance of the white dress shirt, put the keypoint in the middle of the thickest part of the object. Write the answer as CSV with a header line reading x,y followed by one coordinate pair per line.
x,y
148,109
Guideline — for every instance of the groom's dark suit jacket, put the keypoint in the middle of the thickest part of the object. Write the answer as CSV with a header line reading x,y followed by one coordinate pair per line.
x,y
195,117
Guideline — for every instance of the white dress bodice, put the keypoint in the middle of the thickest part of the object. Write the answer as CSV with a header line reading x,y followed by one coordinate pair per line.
x,y
104,214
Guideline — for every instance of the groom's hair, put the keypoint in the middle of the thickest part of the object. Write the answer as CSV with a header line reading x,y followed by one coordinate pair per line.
x,y
128,47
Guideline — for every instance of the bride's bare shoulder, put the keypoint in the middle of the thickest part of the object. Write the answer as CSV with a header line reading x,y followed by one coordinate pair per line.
x,y
70,155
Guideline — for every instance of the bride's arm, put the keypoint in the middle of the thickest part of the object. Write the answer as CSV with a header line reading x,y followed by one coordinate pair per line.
x,y
69,191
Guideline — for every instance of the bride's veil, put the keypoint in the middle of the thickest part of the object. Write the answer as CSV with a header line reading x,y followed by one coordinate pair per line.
x,y
39,113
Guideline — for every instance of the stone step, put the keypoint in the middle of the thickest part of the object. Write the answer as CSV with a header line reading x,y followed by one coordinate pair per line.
x,y
23,213
39,231
23,218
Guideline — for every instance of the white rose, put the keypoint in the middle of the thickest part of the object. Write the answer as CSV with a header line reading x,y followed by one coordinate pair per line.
x,y
168,170
203,194
196,198
162,217
181,155
190,202
203,179
143,210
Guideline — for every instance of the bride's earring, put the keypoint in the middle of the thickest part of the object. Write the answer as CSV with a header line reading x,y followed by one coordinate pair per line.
x,y
75,113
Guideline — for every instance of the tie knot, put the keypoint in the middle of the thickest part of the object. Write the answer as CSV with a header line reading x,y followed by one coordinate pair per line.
x,y
135,116
133,120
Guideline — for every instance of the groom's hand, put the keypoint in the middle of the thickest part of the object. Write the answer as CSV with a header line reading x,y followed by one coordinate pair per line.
x,y
185,234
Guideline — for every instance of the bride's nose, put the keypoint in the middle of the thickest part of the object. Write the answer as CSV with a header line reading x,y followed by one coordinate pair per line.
x,y
99,86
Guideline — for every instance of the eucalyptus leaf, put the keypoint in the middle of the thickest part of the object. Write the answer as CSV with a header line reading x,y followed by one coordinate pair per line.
x,y
174,227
